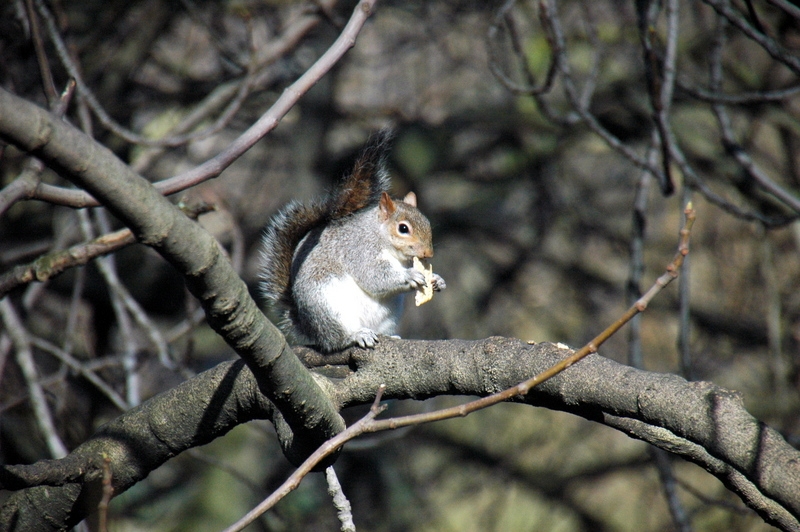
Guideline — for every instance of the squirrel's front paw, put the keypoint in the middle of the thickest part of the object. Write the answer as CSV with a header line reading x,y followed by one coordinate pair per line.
x,y
438,283
366,338
415,279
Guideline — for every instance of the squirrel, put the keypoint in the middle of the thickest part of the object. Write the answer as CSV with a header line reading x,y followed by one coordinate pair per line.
x,y
335,271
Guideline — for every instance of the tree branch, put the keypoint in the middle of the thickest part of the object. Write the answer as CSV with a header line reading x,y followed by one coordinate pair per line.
x,y
268,121
698,421
665,410
230,310
62,492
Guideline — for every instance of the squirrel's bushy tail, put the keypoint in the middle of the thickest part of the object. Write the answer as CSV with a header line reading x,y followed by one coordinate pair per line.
x,y
368,180
360,189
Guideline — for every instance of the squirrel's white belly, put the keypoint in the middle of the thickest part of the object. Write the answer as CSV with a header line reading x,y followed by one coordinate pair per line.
x,y
356,309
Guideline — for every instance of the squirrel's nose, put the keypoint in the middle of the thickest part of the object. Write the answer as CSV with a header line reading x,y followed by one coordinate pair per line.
x,y
426,254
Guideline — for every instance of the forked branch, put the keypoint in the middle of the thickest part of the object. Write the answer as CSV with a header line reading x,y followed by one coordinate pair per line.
x,y
368,424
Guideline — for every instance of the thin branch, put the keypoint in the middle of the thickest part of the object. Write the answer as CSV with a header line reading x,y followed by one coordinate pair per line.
x,y
55,263
696,183
74,310
25,185
233,90
88,96
685,310
744,98
660,76
268,121
120,302
633,290
666,91
43,415
132,306
343,510
326,449
778,52
41,57
667,476
551,19
82,369
726,128
503,17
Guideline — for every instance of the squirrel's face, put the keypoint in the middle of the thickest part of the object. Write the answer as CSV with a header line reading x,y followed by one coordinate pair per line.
x,y
408,229
411,239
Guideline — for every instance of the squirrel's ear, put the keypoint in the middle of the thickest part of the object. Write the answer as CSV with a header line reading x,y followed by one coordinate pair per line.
x,y
387,206
411,199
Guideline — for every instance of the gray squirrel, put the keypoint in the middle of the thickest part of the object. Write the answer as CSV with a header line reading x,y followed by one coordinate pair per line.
x,y
335,270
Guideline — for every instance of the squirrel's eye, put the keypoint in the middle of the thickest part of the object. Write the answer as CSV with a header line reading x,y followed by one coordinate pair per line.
x,y
403,228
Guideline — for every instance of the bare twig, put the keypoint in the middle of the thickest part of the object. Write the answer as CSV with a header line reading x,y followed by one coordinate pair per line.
x,y
773,48
41,57
551,20
52,264
25,186
590,84
73,313
44,417
326,449
685,309
660,74
120,302
743,98
343,510
726,128
638,226
82,369
503,18
665,93
232,92
774,318
667,476
107,265
268,121
88,96
108,492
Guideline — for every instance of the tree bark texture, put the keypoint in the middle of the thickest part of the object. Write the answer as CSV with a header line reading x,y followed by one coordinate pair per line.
x,y
698,421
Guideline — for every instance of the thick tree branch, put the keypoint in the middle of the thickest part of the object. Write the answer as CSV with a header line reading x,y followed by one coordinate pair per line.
x,y
199,410
695,420
665,410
